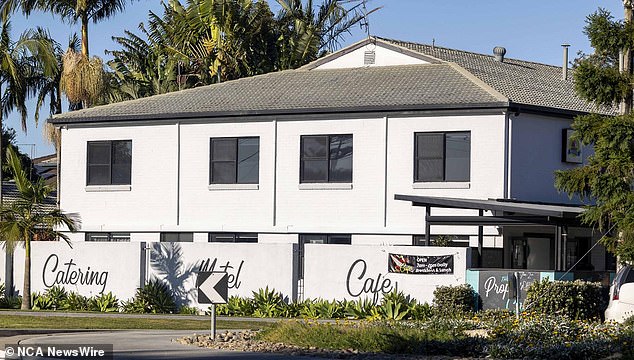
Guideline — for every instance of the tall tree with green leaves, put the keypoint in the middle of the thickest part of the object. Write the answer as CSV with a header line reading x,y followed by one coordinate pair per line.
x,y
28,218
606,181
82,79
21,62
308,31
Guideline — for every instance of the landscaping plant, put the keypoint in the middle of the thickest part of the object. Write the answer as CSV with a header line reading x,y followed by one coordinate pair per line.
x,y
575,299
454,300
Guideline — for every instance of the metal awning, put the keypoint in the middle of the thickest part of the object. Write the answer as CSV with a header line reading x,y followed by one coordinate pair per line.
x,y
504,213
561,211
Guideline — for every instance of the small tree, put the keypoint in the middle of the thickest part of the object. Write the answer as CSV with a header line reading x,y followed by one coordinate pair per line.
x,y
605,79
28,218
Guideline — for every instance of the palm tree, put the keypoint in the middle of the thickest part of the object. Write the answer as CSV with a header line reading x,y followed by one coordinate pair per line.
x,y
307,33
82,79
20,63
72,11
28,218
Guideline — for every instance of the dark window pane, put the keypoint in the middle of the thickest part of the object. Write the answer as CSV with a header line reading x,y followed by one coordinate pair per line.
x,y
223,172
247,238
223,149
340,239
430,146
315,170
99,153
313,239
429,170
122,152
177,237
97,237
121,174
248,160
314,146
98,174
120,237
458,157
429,157
222,237
341,158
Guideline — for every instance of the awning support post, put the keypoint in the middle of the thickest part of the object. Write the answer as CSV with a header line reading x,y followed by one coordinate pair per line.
x,y
480,239
558,255
427,225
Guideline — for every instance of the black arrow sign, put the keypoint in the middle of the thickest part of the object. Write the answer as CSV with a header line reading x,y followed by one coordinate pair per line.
x,y
212,287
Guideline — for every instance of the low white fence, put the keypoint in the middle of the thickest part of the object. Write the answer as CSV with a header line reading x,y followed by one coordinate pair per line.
x,y
249,267
354,272
330,271
86,268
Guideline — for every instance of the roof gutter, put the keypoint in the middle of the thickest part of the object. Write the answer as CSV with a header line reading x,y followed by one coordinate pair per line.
x,y
407,109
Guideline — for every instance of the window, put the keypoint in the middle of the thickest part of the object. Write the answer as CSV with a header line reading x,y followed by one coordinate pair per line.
x,y
109,162
326,158
234,160
108,237
343,239
177,237
233,237
442,157
442,240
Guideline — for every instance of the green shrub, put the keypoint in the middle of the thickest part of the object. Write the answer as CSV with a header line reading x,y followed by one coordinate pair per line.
x,y
104,303
575,299
536,336
236,306
360,309
417,311
188,310
268,303
11,302
454,301
56,296
40,302
75,302
155,298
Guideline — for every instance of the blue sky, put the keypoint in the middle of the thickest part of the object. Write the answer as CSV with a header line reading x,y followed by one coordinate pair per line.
x,y
530,30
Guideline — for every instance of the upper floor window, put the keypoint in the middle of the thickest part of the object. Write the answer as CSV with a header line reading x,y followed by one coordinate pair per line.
x,y
233,237
109,162
442,156
326,158
234,160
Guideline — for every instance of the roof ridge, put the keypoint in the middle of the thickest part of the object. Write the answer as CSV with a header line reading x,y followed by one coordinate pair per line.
x,y
396,41
476,80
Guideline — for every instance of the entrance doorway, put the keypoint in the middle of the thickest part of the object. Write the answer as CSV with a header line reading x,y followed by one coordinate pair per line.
x,y
534,252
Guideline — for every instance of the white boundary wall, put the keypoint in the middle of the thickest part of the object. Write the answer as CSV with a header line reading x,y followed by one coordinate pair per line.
x,y
355,271
86,268
250,267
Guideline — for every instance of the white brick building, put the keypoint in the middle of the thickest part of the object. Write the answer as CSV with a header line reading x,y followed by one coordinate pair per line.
x,y
318,154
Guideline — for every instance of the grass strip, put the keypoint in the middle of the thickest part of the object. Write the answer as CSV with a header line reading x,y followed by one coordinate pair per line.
x,y
372,337
60,322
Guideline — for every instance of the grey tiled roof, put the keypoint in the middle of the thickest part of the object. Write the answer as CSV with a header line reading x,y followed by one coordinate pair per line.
x,y
10,194
522,82
405,87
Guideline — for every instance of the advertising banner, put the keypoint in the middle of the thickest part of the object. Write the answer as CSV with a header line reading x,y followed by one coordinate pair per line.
x,y
420,264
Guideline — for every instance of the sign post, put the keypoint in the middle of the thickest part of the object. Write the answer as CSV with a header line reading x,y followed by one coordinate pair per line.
x,y
212,289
